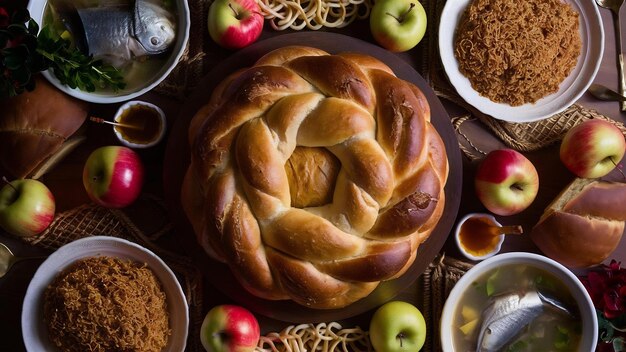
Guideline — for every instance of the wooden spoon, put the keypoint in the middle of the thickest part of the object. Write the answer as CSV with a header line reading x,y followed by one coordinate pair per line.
x,y
101,120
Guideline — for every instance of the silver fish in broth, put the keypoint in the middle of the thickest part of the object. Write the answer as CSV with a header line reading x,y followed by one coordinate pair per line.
x,y
118,34
509,313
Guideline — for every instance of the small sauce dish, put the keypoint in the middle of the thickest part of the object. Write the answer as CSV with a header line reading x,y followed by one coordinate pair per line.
x,y
141,124
475,237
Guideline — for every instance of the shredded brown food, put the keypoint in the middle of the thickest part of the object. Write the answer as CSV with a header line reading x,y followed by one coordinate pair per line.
x,y
517,52
107,304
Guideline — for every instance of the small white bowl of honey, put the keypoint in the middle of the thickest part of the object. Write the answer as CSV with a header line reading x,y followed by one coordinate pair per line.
x,y
480,236
139,124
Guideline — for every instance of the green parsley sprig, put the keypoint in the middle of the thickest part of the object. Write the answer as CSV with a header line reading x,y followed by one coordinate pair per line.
x,y
75,69
24,51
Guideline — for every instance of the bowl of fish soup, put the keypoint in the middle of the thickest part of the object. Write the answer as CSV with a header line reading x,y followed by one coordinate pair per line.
x,y
518,302
144,39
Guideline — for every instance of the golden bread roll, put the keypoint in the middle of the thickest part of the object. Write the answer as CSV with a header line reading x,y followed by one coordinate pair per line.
x,y
34,125
314,176
584,224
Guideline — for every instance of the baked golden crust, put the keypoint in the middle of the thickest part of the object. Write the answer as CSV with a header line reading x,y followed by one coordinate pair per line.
x,y
387,195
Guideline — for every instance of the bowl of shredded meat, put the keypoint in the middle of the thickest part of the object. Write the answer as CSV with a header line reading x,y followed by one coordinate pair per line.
x,y
521,61
104,294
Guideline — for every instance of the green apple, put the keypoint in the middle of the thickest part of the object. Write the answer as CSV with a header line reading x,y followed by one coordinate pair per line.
x,y
398,25
397,327
26,207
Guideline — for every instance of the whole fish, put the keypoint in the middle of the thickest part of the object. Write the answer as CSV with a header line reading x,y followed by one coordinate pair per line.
x,y
119,34
509,313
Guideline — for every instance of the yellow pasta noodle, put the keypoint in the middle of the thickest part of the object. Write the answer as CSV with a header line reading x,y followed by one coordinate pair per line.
x,y
311,338
313,14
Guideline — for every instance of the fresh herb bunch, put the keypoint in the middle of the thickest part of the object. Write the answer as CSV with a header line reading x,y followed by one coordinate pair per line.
x,y
75,69
607,288
24,52
19,56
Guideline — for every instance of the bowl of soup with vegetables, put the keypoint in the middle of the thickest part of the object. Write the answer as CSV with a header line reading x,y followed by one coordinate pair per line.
x,y
108,51
518,302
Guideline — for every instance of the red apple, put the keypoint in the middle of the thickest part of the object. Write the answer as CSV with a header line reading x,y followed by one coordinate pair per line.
x,y
113,176
229,328
235,24
506,182
26,207
593,148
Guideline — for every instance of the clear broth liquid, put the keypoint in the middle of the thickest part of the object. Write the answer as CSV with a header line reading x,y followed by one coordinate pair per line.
x,y
137,73
549,332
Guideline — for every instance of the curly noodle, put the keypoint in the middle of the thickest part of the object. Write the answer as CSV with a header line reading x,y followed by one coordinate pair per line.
x,y
107,304
517,52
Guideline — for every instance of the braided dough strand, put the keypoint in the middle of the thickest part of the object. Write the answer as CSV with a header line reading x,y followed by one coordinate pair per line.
x,y
384,199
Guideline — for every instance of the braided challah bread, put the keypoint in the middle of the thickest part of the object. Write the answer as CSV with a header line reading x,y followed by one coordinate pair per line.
x,y
314,176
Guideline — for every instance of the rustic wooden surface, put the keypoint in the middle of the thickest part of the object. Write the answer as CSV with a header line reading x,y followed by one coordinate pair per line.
x,y
65,182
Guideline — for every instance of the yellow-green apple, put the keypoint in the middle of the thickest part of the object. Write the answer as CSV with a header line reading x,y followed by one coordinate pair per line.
x,y
398,25
235,24
506,182
593,148
113,176
229,328
26,207
397,327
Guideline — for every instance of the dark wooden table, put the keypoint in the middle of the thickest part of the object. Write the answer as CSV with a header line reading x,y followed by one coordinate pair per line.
x,y
65,182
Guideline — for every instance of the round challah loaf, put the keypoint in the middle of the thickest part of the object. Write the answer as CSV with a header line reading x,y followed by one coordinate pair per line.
x,y
314,176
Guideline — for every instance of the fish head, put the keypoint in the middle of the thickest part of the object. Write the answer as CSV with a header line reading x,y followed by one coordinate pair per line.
x,y
154,27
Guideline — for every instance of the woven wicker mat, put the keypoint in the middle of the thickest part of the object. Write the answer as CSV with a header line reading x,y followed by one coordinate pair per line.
x,y
92,220
435,286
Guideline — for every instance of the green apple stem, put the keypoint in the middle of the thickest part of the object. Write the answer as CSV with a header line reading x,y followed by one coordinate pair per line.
x,y
400,337
403,16
8,183
234,11
618,168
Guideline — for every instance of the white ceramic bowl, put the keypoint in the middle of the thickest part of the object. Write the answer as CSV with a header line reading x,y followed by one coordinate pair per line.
x,y
130,104
468,255
581,77
34,330
36,9
585,305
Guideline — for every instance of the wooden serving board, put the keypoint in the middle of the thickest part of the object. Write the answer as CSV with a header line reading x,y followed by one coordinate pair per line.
x,y
177,161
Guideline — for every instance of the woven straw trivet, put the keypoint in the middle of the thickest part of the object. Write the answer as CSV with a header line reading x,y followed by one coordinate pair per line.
x,y
435,286
92,220
521,136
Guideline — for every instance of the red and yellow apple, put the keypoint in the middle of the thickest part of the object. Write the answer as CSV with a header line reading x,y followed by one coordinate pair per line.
x,y
229,328
397,327
398,25
593,148
26,207
113,176
235,24
506,182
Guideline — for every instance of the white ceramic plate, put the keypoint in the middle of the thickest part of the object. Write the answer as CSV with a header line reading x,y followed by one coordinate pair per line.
x,y
37,8
34,331
592,36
